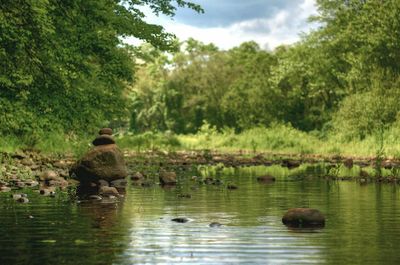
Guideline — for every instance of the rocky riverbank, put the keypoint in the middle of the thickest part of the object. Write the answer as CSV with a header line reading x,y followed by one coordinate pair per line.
x,y
28,169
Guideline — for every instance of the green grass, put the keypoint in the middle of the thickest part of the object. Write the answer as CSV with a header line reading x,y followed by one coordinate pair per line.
x,y
51,143
276,139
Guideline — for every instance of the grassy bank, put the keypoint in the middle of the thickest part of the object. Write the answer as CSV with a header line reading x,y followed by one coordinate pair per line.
x,y
51,144
277,139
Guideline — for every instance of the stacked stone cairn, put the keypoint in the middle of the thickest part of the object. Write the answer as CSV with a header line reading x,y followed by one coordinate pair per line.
x,y
101,167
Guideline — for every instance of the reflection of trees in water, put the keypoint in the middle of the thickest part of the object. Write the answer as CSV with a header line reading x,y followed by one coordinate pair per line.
x,y
107,229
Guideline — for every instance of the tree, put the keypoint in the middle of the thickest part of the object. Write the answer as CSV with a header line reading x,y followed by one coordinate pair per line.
x,y
64,64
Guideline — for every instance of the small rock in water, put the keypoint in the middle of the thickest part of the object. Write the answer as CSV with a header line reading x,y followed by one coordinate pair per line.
x,y
218,182
185,195
45,192
103,139
137,176
95,197
52,194
232,187
147,184
107,131
303,218
167,177
108,191
266,179
208,180
363,181
119,183
180,220
23,200
215,224
16,196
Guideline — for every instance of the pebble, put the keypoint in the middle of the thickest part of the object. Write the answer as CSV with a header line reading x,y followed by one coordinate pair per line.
x,y
108,191
5,189
95,197
180,220
137,176
188,196
31,183
23,200
215,224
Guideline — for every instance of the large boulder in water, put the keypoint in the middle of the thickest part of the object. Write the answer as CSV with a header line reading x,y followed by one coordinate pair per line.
x,y
101,162
303,217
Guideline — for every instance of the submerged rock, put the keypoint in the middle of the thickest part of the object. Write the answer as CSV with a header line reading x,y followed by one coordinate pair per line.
x,y
185,195
215,224
303,218
232,187
146,184
266,179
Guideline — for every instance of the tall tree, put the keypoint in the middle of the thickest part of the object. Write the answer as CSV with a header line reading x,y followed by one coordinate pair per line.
x,y
64,64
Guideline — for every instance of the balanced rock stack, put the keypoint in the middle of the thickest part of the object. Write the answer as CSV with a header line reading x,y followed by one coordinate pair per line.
x,y
104,161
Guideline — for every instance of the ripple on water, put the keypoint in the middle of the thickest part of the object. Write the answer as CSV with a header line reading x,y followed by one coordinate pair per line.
x,y
361,226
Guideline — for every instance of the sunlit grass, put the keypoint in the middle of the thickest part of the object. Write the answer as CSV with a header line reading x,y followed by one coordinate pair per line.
x,y
279,138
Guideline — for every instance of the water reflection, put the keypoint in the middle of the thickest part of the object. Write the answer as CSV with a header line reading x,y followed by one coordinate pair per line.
x,y
361,226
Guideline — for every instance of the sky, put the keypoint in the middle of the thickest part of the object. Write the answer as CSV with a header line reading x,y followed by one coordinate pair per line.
x,y
228,23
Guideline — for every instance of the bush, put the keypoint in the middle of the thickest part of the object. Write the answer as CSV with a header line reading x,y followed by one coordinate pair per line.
x,y
364,114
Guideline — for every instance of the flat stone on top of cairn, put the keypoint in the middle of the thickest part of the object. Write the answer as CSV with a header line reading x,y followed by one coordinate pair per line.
x,y
107,131
103,139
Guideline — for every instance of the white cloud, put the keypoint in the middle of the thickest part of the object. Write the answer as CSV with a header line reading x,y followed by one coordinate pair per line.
x,y
282,28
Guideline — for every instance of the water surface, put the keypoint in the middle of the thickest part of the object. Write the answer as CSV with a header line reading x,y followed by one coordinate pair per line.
x,y
362,227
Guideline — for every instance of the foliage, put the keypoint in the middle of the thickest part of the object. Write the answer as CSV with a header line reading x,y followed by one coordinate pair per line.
x,y
64,65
